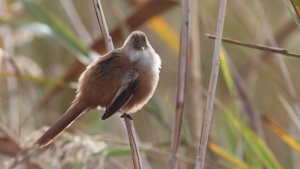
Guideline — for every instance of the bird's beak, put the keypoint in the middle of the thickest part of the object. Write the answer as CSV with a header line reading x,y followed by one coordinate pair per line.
x,y
142,48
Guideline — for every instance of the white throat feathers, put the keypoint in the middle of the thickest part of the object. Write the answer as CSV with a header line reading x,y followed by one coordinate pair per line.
x,y
140,52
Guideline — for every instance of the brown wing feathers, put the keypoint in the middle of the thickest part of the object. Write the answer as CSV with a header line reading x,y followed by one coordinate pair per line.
x,y
105,65
100,69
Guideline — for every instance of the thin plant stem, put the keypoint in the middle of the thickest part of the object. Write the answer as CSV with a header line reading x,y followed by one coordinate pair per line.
x,y
257,46
285,30
103,26
128,122
286,76
211,88
195,117
184,51
132,141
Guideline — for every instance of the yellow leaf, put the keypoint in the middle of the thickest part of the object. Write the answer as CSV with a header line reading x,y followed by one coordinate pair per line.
x,y
289,140
165,32
227,156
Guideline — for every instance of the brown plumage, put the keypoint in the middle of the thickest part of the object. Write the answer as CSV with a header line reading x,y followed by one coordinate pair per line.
x,y
121,81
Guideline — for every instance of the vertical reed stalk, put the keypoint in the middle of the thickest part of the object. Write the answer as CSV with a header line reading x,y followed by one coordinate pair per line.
x,y
184,51
128,122
195,115
211,88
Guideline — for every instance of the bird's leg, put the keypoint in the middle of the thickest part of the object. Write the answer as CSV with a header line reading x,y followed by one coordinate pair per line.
x,y
126,115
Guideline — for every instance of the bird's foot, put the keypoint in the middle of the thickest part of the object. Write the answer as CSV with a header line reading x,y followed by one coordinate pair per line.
x,y
126,115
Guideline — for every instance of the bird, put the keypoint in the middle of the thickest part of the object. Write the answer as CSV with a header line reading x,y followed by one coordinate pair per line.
x,y
122,80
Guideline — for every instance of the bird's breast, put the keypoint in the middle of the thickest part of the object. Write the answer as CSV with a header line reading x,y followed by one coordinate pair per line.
x,y
146,60
148,69
147,83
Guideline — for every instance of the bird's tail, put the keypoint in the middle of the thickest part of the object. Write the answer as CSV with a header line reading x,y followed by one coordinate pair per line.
x,y
74,111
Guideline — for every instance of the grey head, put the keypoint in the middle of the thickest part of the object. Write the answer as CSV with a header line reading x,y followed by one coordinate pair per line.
x,y
138,41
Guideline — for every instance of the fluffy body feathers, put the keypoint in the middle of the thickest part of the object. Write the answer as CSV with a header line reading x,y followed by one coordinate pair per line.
x,y
121,81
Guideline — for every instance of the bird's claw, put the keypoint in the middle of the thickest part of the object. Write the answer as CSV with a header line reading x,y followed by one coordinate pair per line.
x,y
126,115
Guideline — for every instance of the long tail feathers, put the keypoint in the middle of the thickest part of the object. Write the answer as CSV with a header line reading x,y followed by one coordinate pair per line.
x,y
76,109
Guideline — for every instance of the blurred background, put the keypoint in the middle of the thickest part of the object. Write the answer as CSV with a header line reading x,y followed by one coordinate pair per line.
x,y
45,45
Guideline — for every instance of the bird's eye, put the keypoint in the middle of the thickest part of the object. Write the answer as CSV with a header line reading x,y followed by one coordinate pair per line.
x,y
135,47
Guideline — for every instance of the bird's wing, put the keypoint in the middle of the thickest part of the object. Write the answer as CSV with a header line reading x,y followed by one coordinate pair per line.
x,y
124,94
